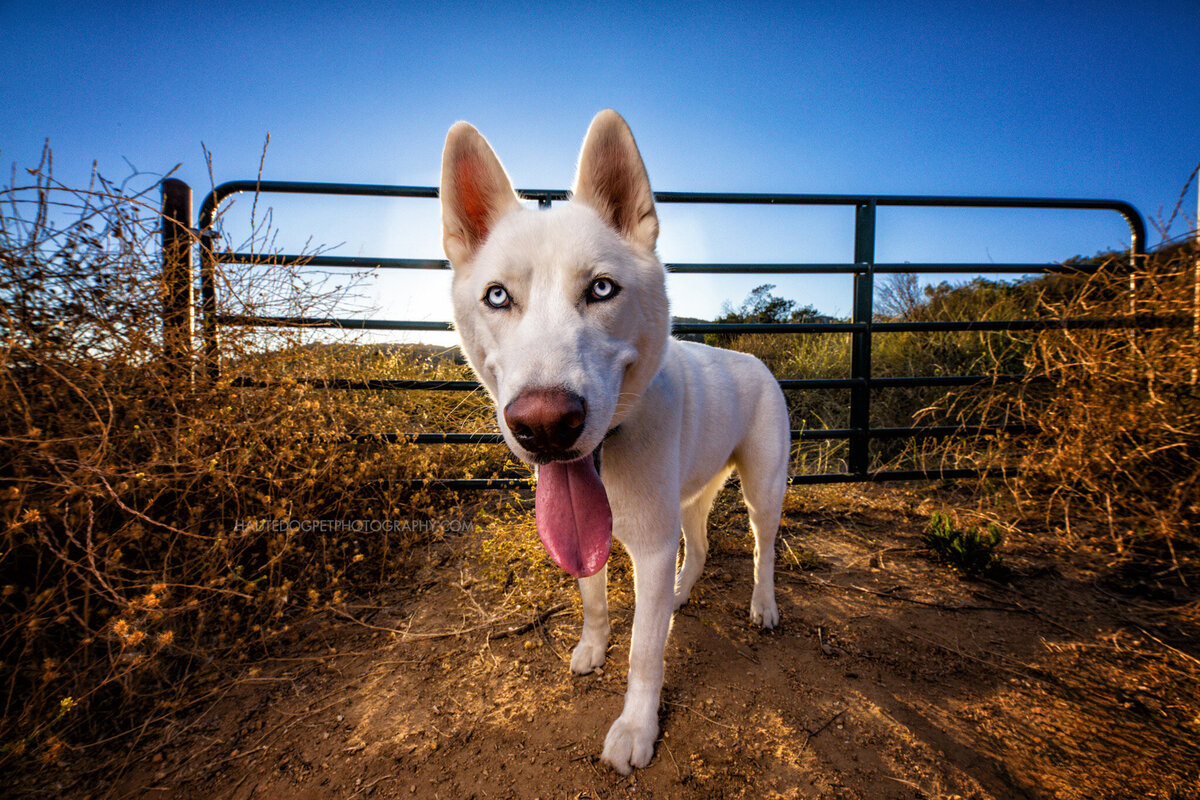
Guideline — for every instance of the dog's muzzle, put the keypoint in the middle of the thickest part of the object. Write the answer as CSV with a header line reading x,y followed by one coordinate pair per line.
x,y
546,422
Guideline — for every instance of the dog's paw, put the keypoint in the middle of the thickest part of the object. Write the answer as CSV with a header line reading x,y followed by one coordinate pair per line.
x,y
588,656
763,610
629,745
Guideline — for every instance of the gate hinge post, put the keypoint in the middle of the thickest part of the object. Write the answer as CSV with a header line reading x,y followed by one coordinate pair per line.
x,y
860,349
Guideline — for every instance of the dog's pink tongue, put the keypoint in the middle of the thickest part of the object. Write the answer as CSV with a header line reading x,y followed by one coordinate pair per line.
x,y
573,517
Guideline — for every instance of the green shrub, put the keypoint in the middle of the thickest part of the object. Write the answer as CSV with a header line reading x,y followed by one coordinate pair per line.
x,y
969,551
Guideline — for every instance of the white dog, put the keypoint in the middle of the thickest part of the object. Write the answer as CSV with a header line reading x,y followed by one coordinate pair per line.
x,y
563,316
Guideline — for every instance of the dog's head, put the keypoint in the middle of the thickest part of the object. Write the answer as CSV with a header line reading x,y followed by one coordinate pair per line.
x,y
563,312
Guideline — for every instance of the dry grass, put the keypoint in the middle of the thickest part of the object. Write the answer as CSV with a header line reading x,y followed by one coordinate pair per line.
x,y
1120,425
1115,461
1117,458
155,531
904,354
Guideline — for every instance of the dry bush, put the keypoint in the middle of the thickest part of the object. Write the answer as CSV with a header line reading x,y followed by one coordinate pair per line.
x,y
952,353
154,530
808,355
904,354
1115,406
1119,440
1118,419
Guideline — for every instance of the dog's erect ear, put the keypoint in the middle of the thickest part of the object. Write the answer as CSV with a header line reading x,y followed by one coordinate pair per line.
x,y
475,192
612,180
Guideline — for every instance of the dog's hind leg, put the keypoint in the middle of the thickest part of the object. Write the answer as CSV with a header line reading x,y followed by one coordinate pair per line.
x,y
695,536
764,521
593,640
762,468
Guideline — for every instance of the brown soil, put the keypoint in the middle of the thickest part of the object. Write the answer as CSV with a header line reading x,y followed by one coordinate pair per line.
x,y
889,677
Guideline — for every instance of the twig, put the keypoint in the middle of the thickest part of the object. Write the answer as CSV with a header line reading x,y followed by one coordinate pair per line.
x,y
1011,609
698,714
1027,671
240,754
406,636
747,656
238,785
462,587
906,783
320,657
1175,650
358,621
827,649
810,734
795,558
1109,595
528,626
678,774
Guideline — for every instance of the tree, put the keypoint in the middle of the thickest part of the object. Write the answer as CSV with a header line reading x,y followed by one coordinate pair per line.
x,y
762,306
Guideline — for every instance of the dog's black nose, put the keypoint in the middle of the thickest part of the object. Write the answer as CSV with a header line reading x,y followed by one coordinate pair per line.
x,y
546,421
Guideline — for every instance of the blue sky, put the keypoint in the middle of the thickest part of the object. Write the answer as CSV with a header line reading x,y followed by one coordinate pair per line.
x,y
1079,99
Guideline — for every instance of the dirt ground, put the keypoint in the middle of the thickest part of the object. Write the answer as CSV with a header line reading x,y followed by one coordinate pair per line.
x,y
890,677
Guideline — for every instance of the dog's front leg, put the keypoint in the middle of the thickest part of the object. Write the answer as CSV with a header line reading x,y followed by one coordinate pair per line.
x,y
630,740
593,641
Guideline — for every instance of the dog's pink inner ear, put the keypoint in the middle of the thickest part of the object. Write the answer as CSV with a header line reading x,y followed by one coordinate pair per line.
x,y
475,192
475,207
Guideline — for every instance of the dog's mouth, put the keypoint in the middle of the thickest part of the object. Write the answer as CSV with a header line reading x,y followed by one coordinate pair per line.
x,y
574,520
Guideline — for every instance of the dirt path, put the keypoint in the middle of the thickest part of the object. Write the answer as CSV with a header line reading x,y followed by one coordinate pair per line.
x,y
889,678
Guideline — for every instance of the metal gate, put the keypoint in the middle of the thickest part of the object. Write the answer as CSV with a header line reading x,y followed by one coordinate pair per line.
x,y
861,383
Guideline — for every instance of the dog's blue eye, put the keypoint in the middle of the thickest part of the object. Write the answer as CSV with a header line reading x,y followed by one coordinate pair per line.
x,y
602,289
497,296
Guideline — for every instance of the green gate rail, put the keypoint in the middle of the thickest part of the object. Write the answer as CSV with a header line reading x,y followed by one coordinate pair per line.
x,y
861,326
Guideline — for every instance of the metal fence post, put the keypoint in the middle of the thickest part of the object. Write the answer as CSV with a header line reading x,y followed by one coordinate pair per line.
x,y
208,302
1137,267
1196,289
860,341
178,296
